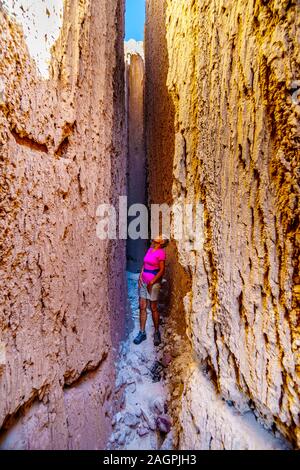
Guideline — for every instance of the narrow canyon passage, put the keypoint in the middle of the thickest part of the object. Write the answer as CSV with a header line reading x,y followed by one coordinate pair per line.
x,y
201,118
142,421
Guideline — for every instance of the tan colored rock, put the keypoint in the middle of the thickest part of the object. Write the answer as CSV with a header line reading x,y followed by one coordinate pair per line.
x,y
62,289
223,131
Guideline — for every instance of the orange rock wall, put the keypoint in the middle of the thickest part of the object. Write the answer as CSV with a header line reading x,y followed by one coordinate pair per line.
x,y
62,289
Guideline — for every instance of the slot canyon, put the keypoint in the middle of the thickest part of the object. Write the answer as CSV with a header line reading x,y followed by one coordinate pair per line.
x,y
205,112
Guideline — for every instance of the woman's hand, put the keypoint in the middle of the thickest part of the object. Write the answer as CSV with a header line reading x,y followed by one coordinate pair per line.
x,y
149,287
140,281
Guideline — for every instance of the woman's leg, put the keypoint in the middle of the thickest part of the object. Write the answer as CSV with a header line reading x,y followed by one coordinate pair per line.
x,y
143,313
155,314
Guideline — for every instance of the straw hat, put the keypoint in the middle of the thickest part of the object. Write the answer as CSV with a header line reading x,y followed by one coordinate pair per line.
x,y
163,239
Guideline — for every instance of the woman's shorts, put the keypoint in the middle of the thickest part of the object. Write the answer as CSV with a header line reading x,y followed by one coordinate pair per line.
x,y
144,294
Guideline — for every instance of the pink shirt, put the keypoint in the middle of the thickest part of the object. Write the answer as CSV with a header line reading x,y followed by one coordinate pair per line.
x,y
151,261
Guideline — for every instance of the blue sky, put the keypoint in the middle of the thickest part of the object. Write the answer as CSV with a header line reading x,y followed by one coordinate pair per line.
x,y
134,20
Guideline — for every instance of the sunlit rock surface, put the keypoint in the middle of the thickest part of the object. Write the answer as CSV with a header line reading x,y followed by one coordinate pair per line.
x,y
223,131
41,22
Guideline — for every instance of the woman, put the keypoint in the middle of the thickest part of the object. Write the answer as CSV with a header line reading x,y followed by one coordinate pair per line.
x,y
149,285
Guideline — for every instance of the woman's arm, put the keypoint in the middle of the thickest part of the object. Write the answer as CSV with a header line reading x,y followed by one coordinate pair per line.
x,y
156,278
140,277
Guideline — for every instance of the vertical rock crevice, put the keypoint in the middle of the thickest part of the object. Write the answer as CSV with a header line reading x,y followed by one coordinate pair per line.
x,y
221,131
136,154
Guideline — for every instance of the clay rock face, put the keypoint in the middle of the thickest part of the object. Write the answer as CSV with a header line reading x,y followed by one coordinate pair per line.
x,y
228,80
62,289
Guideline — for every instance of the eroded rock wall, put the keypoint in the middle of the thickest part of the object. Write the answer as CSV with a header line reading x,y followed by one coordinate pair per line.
x,y
63,292
228,78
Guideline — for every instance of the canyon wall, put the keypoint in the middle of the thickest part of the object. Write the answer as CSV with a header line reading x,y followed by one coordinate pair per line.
x,y
136,156
222,107
63,152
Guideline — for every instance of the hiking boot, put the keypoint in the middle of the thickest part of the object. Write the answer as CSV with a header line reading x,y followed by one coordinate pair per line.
x,y
156,338
140,337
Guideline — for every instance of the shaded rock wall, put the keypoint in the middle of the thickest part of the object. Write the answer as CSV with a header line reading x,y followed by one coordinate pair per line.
x,y
223,131
136,157
62,289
